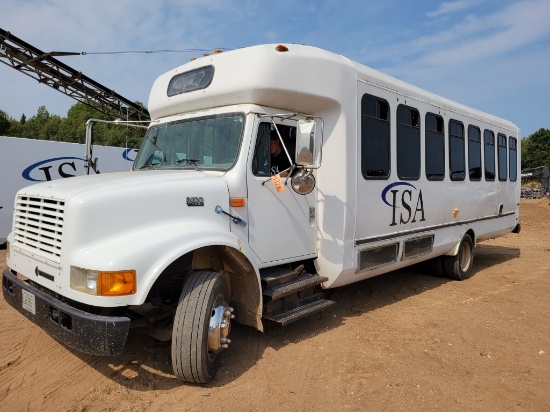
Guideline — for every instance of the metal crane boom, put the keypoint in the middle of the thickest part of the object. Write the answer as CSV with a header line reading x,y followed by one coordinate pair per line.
x,y
43,67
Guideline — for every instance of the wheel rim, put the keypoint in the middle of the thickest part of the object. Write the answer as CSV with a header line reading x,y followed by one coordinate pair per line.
x,y
465,257
219,326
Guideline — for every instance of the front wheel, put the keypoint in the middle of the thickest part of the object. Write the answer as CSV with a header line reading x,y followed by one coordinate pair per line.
x,y
201,327
459,267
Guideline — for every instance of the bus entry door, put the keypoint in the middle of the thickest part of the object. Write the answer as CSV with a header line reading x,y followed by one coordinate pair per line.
x,y
282,223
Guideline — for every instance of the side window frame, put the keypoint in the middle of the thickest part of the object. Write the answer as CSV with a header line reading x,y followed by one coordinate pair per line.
x,y
513,158
375,138
261,161
457,161
408,142
474,153
502,157
434,141
489,155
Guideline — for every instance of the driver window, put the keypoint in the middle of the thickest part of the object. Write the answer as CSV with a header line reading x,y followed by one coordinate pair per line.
x,y
265,150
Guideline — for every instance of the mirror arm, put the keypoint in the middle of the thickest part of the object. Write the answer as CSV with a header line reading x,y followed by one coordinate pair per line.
x,y
290,170
282,142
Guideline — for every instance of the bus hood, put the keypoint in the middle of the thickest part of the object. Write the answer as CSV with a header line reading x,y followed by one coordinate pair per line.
x,y
98,206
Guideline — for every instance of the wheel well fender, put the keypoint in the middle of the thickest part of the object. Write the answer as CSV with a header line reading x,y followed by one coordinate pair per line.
x,y
243,280
454,250
241,276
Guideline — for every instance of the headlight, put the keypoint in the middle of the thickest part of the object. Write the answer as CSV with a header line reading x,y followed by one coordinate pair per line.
x,y
102,283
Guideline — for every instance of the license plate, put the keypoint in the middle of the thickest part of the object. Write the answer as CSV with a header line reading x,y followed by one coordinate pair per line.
x,y
28,301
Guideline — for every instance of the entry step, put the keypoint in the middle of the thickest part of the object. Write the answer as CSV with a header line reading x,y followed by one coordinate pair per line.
x,y
300,283
300,312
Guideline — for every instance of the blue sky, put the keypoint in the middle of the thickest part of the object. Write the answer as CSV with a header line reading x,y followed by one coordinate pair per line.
x,y
493,55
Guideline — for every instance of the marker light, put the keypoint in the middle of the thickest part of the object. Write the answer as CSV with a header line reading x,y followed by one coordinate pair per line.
x,y
103,283
237,202
281,48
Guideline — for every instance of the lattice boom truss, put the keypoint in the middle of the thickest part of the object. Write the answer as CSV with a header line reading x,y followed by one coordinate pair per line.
x,y
41,66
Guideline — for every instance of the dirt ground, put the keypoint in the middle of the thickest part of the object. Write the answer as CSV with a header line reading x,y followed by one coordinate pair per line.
x,y
401,341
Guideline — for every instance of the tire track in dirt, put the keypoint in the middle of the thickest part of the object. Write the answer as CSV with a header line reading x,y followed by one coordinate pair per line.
x,y
33,353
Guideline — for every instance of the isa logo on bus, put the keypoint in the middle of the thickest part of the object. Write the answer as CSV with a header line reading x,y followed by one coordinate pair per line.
x,y
406,203
54,168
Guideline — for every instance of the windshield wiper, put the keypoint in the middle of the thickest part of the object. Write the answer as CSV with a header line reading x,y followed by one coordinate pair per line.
x,y
149,162
192,162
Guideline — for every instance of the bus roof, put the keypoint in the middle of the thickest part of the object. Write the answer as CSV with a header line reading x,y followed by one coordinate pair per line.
x,y
300,79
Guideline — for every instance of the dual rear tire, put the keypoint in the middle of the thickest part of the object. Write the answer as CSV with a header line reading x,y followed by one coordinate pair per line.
x,y
457,267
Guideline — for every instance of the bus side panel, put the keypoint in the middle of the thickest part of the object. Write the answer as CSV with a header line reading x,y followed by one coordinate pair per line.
x,y
393,210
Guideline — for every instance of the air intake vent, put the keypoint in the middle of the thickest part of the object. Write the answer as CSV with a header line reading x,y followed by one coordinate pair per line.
x,y
39,227
417,247
378,256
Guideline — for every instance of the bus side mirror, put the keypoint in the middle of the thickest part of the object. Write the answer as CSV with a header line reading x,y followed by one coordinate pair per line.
x,y
305,143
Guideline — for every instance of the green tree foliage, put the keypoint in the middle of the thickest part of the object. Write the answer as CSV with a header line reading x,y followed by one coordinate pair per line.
x,y
535,149
5,123
72,128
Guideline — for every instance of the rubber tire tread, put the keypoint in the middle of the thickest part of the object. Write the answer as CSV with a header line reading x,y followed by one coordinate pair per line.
x,y
190,331
434,267
451,264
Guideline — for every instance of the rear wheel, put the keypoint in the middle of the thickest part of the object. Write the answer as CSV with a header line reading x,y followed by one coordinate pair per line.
x,y
459,267
201,327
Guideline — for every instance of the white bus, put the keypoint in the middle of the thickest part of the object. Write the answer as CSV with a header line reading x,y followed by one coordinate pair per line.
x,y
383,175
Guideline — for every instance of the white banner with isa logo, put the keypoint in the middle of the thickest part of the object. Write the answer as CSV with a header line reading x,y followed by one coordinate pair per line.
x,y
24,162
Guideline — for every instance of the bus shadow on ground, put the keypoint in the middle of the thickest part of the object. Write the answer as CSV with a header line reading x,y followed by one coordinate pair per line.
x,y
145,363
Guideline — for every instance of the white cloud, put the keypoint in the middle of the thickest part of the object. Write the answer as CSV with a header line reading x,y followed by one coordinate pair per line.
x,y
505,31
448,8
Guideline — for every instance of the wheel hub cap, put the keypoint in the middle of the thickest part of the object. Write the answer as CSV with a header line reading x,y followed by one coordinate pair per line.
x,y
219,326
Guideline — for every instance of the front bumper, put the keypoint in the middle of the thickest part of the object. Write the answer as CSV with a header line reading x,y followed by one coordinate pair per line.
x,y
83,331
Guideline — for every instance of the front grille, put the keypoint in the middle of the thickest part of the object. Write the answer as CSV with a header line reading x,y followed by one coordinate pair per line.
x,y
39,226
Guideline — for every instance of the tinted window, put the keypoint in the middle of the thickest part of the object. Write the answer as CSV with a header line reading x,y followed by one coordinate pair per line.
x,y
408,143
435,147
456,150
502,160
489,154
513,159
262,160
189,81
474,152
204,142
375,138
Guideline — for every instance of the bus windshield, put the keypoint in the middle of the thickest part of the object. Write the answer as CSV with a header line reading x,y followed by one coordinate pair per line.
x,y
205,143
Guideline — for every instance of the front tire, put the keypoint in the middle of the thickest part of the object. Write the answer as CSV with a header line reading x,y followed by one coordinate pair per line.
x,y
459,267
201,327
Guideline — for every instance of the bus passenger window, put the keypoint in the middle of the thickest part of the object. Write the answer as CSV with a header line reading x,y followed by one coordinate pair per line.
x,y
408,143
474,152
502,160
513,158
489,154
375,137
456,150
435,147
